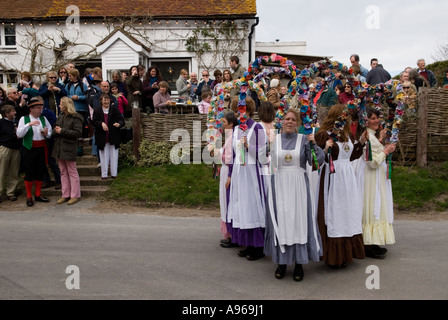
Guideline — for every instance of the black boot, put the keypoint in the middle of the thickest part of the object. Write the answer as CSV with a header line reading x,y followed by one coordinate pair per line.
x,y
280,271
372,253
245,252
298,273
255,254
378,250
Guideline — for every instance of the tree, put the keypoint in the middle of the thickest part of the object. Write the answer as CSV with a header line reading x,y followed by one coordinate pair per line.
x,y
44,51
220,40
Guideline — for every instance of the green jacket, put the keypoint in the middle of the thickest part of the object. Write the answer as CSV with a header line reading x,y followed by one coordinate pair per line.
x,y
66,143
328,98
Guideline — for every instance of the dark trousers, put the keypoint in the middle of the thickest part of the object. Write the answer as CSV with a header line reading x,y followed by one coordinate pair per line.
x,y
52,163
34,164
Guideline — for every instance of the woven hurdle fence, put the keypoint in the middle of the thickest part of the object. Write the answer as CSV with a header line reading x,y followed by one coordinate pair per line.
x,y
423,136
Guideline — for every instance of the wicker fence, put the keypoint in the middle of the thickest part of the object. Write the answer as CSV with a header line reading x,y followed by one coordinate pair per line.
x,y
427,131
159,127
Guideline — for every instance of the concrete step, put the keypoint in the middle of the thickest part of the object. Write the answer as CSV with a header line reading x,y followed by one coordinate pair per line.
x,y
94,181
86,191
87,160
87,150
88,170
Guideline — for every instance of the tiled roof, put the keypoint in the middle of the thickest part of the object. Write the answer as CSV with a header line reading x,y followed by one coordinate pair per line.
x,y
35,9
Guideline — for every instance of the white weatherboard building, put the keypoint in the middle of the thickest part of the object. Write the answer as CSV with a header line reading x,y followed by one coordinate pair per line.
x,y
117,34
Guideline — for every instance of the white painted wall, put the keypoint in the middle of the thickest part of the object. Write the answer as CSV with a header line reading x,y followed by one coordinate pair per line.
x,y
166,42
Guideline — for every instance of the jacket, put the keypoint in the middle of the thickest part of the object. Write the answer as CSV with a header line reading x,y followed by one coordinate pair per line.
x,y
48,94
328,98
133,83
65,145
114,133
377,75
79,89
182,88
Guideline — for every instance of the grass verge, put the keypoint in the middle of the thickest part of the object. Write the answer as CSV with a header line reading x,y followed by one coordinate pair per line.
x,y
167,185
421,188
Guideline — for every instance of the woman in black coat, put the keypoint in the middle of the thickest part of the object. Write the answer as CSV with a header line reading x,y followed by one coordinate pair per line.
x,y
107,121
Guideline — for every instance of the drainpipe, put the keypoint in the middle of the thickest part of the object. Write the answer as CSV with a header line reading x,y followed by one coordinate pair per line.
x,y
252,29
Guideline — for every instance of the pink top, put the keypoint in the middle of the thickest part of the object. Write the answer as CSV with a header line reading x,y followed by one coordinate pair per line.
x,y
160,100
203,107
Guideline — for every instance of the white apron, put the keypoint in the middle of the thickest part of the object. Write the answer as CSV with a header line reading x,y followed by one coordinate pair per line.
x,y
342,199
291,224
247,195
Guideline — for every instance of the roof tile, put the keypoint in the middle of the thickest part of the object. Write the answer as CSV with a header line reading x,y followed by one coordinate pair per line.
x,y
14,9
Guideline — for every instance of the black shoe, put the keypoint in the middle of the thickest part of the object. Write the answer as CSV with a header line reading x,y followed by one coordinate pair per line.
x,y
245,252
378,250
280,271
29,202
371,252
225,240
255,254
12,198
229,244
298,273
41,199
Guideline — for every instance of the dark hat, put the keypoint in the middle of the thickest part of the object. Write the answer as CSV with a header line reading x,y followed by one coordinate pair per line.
x,y
35,101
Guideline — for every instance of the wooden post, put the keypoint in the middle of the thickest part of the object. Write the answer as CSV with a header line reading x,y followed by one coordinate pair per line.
x,y
422,128
136,132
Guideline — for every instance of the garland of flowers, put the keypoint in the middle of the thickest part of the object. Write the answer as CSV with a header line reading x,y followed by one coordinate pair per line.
x,y
366,95
216,110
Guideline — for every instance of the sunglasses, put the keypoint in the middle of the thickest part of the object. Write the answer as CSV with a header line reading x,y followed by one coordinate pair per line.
x,y
205,75
406,87
51,77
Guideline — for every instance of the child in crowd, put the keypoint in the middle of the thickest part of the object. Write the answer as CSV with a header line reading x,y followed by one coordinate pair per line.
x,y
204,105
122,101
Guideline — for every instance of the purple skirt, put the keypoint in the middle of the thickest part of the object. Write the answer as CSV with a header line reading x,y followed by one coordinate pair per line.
x,y
246,237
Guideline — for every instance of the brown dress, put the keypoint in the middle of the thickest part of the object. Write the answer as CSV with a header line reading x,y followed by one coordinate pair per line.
x,y
341,250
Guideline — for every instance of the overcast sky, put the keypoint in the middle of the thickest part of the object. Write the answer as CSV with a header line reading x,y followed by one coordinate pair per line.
x,y
398,33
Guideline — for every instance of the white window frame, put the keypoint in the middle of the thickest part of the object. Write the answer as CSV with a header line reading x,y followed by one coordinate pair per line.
x,y
5,83
3,36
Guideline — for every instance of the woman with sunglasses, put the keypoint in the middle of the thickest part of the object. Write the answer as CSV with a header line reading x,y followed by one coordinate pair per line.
x,y
52,91
63,76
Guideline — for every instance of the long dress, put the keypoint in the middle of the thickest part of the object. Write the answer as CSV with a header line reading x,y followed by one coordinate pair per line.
x,y
340,205
378,212
292,235
246,210
224,193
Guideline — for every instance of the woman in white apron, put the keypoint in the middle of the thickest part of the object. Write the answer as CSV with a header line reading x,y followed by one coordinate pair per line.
x,y
378,212
246,210
291,234
225,154
340,204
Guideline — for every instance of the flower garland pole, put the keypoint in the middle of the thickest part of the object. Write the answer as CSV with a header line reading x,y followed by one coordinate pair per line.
x,y
242,119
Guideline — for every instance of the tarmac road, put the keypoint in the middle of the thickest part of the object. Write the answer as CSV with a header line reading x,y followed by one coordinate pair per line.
x,y
136,256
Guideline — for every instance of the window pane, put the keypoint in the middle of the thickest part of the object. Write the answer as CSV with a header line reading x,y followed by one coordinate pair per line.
x,y
10,30
10,40
171,71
